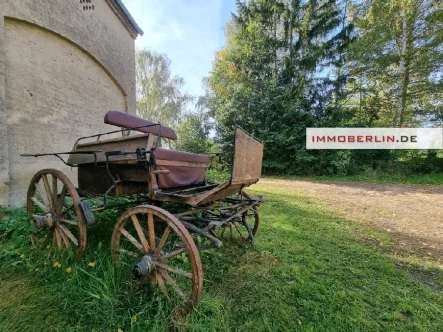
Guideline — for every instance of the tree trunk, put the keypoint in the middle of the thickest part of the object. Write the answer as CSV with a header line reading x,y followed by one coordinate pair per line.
x,y
404,73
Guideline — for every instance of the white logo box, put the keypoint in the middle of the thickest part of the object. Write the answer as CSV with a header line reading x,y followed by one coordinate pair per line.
x,y
374,138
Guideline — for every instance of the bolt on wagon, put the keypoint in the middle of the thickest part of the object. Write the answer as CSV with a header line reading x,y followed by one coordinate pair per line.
x,y
161,247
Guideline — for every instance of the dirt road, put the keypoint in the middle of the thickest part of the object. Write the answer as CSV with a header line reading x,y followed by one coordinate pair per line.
x,y
412,215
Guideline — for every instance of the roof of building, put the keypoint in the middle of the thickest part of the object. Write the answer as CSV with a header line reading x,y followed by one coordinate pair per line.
x,y
125,17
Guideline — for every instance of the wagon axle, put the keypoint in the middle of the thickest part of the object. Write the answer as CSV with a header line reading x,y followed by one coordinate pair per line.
x,y
47,221
145,266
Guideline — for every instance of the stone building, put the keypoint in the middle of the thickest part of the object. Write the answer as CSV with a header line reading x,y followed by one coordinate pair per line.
x,y
63,65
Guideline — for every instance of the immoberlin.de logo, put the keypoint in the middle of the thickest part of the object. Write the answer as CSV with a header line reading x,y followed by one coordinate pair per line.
x,y
374,138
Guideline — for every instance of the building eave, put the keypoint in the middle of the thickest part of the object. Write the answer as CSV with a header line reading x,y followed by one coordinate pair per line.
x,y
126,18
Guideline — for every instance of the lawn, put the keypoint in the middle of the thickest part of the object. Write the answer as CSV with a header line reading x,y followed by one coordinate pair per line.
x,y
309,271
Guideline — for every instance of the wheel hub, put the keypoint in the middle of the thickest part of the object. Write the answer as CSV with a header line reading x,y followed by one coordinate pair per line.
x,y
144,267
47,221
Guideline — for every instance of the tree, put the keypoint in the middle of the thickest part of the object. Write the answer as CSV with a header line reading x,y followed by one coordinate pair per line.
x,y
192,135
159,96
268,77
396,62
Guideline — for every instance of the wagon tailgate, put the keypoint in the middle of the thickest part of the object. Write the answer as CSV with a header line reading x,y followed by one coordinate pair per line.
x,y
247,162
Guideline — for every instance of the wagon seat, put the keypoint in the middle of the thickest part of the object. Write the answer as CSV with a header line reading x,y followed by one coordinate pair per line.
x,y
185,169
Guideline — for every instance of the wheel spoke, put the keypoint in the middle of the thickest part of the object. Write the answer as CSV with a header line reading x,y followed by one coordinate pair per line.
x,y
174,270
40,205
54,192
140,232
70,207
58,238
162,241
40,193
174,285
241,235
64,238
128,252
48,190
161,283
61,200
153,279
68,234
132,239
172,254
47,237
34,240
151,230
71,222
243,217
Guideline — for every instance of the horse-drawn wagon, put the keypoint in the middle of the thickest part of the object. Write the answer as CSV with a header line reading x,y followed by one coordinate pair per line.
x,y
158,245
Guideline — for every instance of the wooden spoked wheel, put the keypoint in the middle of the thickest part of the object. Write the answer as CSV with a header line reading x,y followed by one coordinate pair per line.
x,y
157,247
54,212
242,226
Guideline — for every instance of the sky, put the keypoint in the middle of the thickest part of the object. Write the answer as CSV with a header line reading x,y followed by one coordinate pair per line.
x,y
188,31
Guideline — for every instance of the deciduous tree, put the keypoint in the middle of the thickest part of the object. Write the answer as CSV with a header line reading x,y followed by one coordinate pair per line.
x,y
159,94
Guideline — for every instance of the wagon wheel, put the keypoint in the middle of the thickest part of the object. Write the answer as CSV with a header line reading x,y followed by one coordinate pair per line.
x,y
244,227
54,212
157,246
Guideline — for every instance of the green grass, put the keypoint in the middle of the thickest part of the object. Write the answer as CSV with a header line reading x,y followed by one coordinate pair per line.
x,y
427,179
309,271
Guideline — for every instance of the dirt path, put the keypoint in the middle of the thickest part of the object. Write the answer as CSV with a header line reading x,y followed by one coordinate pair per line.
x,y
412,215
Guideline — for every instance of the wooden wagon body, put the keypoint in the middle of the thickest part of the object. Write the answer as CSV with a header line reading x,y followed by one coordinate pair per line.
x,y
137,165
